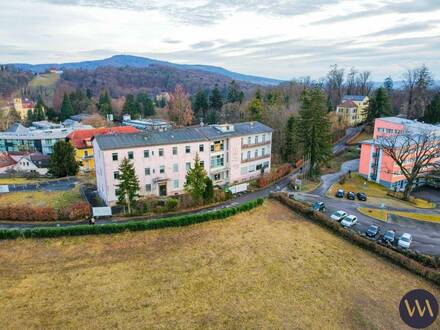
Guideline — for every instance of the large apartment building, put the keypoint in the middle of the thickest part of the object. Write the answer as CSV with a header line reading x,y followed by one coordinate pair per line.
x,y
376,165
352,109
230,153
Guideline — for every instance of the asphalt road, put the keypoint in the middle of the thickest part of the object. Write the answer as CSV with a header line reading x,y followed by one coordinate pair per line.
x,y
426,235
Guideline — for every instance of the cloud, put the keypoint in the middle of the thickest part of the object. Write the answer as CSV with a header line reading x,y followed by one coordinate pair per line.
x,y
407,28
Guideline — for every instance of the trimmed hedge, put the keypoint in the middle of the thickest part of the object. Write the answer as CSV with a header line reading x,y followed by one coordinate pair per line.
x,y
414,262
79,230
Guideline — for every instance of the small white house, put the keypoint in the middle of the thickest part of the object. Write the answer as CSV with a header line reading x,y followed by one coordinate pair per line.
x,y
33,163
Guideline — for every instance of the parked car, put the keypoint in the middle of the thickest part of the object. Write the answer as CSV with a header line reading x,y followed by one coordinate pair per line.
x,y
340,193
338,215
372,231
349,221
404,241
318,206
351,195
361,196
389,237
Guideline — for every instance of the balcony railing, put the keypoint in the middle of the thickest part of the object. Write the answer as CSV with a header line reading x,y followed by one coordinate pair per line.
x,y
255,158
251,145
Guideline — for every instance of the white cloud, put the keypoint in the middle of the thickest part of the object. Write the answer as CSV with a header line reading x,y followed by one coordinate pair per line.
x,y
278,38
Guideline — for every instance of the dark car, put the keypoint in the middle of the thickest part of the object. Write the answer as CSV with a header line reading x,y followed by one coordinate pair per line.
x,y
361,196
351,195
318,206
340,193
389,237
372,231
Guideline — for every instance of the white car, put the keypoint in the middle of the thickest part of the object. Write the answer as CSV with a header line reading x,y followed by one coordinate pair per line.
x,y
338,215
349,221
405,241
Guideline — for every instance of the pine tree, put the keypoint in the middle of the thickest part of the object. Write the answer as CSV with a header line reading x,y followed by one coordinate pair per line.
x,y
62,161
233,92
215,101
208,194
145,104
127,190
66,108
378,106
38,113
432,113
130,107
255,109
196,180
388,84
314,129
200,105
291,143
105,104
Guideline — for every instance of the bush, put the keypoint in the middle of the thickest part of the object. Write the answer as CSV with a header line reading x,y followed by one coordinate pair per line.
x,y
266,179
171,204
78,230
28,213
417,263
342,179
80,210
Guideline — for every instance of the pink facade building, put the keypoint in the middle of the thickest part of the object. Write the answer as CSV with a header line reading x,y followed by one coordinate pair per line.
x,y
230,153
376,165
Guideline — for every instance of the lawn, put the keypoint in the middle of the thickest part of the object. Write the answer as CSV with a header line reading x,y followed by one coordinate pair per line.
x,y
267,268
56,199
376,193
334,164
361,137
21,180
382,215
44,80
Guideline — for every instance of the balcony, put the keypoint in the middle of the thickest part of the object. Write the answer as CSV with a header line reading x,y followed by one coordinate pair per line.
x,y
255,158
252,145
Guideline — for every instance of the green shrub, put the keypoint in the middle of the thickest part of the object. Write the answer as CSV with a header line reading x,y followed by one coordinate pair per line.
x,y
171,204
129,226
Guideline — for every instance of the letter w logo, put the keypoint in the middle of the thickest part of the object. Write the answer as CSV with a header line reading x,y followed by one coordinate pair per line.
x,y
412,310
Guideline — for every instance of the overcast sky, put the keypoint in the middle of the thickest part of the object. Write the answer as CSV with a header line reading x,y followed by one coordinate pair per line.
x,y
273,38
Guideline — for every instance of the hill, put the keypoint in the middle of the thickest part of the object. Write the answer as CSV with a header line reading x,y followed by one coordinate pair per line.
x,y
267,268
119,61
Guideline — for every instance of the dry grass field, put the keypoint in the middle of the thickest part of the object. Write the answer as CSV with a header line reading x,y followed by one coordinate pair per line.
x,y
267,268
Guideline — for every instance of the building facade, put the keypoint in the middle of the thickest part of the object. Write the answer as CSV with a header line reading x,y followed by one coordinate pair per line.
x,y
22,106
375,165
82,142
353,109
230,154
34,139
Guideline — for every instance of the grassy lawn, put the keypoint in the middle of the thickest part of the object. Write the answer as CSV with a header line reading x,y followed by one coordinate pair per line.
x,y
376,193
362,137
44,80
334,165
56,199
21,180
267,268
309,185
382,215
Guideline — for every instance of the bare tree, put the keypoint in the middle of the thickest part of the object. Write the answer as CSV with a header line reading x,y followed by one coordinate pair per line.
x,y
414,154
364,83
351,81
417,84
334,84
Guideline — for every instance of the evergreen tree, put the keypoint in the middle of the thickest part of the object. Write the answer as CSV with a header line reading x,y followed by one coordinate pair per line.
x,y
128,187
255,109
38,113
105,104
62,161
89,93
66,108
291,143
208,194
130,107
432,113
196,180
388,85
329,104
51,114
234,92
145,104
379,105
314,129
216,101
200,105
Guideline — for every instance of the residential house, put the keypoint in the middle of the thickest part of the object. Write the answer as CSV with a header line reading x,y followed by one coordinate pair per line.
x,y
22,106
230,153
353,109
7,163
82,142
34,162
376,165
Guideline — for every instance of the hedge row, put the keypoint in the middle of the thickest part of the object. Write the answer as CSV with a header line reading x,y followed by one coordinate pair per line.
x,y
129,226
414,262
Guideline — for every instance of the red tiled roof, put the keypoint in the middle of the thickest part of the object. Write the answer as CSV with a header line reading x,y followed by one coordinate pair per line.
x,y
80,138
348,104
6,160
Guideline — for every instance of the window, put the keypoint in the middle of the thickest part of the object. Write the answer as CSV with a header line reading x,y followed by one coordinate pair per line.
x,y
256,153
116,175
187,149
188,166
256,138
130,155
148,187
217,161
249,140
161,152
175,168
217,177
248,155
174,150
263,151
202,163
146,153
147,171
264,138
162,169
86,153
176,184
244,170
115,156
201,147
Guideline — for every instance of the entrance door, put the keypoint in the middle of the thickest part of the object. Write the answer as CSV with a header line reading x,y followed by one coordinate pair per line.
x,y
162,189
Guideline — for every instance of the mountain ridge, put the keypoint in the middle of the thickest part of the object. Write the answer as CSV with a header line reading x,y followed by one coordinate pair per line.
x,y
144,62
